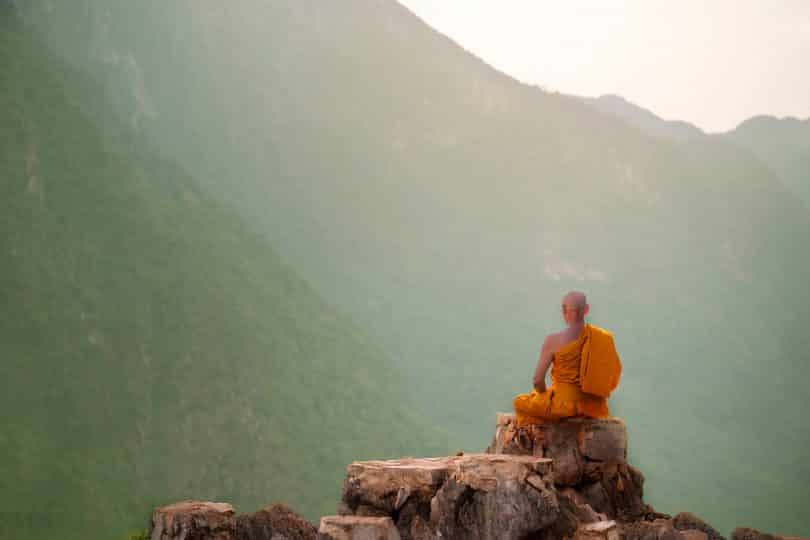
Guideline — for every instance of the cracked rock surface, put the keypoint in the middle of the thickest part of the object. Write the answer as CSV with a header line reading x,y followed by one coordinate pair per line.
x,y
478,496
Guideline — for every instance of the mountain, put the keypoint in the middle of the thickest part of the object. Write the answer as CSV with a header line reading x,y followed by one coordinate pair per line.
x,y
644,119
447,208
153,346
781,143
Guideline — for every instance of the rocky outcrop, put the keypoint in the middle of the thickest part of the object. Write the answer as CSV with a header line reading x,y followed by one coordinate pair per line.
x,y
687,521
197,520
479,496
357,528
569,480
275,522
588,455
194,519
744,533
601,530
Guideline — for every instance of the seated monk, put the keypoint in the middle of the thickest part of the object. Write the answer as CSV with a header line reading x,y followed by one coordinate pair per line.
x,y
565,398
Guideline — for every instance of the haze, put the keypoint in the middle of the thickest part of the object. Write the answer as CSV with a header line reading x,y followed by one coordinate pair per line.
x,y
246,244
713,64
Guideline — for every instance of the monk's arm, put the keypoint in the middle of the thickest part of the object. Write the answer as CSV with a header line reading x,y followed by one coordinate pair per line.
x,y
539,379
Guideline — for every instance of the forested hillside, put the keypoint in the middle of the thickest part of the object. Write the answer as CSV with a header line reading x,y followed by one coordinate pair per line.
x,y
153,347
447,208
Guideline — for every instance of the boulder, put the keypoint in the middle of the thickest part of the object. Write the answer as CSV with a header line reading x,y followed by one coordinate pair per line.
x,y
687,521
383,487
657,529
601,530
618,493
588,454
603,440
274,523
357,528
744,533
477,496
486,498
572,442
574,512
194,519
693,534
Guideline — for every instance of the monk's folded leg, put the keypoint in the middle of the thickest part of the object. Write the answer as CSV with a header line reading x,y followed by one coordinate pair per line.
x,y
524,420
532,408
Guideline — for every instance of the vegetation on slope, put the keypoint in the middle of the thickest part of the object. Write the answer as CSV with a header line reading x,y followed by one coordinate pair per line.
x,y
447,208
153,347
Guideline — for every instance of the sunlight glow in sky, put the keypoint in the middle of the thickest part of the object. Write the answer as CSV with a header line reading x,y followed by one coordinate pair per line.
x,y
713,63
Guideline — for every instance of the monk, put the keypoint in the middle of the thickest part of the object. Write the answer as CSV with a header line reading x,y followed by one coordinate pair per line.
x,y
564,398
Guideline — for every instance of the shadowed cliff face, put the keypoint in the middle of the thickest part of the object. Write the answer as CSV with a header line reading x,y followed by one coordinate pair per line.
x,y
447,208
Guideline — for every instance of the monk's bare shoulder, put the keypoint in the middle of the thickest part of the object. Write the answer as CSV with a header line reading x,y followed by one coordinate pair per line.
x,y
553,341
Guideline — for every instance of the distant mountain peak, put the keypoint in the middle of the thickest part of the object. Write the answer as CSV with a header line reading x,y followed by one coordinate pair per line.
x,y
770,121
644,119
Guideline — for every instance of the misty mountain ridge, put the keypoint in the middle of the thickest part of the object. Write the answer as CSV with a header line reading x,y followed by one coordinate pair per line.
x,y
644,119
782,144
446,207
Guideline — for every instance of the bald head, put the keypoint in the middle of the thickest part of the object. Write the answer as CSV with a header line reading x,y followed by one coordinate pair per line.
x,y
574,307
575,299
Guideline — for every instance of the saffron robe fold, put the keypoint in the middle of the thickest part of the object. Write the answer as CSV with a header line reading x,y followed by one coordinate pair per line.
x,y
564,398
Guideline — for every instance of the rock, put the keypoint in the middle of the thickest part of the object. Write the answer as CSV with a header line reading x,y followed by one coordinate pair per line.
x,y
574,512
421,530
357,528
505,440
580,447
744,533
385,486
658,529
476,496
603,440
583,511
693,534
194,519
618,493
560,442
274,523
587,454
601,530
686,521
486,498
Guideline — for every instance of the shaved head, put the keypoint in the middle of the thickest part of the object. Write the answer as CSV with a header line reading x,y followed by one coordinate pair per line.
x,y
575,299
574,307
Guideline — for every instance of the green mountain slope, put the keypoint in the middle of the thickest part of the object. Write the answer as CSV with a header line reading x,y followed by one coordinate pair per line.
x,y
447,208
153,348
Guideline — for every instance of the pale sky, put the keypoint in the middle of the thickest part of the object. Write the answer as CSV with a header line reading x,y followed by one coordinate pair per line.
x,y
713,63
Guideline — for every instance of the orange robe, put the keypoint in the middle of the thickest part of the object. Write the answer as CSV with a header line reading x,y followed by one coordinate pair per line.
x,y
563,398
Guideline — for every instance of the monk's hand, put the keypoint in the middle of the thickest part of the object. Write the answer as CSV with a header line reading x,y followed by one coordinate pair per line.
x,y
540,387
